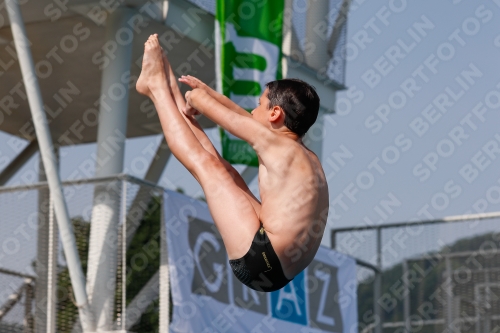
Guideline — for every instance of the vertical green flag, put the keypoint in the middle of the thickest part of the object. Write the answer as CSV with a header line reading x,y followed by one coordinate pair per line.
x,y
248,55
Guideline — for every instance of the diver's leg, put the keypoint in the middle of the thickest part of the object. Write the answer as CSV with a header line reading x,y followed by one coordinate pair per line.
x,y
234,215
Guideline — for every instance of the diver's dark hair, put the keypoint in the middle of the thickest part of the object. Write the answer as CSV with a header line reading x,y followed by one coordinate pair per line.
x,y
298,99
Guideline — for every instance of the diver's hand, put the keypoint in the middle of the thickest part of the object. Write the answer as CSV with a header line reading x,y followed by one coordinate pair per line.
x,y
193,82
188,110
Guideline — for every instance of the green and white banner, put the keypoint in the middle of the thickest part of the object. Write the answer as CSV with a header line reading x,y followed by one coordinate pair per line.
x,y
248,55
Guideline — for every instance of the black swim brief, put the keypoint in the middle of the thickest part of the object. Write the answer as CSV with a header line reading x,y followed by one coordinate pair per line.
x,y
260,269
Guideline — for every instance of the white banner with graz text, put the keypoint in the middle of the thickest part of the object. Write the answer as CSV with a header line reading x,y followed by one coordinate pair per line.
x,y
208,298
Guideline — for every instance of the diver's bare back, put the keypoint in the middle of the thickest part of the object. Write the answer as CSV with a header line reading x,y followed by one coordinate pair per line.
x,y
294,195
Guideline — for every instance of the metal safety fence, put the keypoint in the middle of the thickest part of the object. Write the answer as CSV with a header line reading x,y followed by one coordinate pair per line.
x,y
437,275
35,288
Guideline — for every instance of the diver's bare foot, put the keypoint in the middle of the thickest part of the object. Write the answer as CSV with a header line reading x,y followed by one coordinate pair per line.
x,y
152,73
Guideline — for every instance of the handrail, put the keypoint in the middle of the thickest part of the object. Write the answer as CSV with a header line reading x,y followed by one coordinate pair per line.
x,y
121,176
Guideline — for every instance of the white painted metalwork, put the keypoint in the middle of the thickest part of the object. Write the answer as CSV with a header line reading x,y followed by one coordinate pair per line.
x,y
164,277
123,314
46,149
102,262
46,264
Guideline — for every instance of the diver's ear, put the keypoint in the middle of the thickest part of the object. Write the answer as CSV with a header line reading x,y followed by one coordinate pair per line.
x,y
276,113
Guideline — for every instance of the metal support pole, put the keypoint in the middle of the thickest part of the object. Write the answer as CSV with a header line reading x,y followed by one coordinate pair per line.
x,y
333,241
487,304
449,295
406,301
103,247
49,161
52,271
164,275
477,310
378,284
46,264
123,314
286,45
28,305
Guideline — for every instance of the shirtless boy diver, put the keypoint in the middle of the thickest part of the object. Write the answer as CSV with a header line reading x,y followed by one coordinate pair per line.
x,y
268,242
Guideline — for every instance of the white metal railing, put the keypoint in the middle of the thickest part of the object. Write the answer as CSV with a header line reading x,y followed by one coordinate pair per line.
x,y
378,326
129,197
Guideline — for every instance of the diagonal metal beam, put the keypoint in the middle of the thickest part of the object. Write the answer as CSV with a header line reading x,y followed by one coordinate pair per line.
x,y
143,196
14,273
249,174
16,164
142,300
14,298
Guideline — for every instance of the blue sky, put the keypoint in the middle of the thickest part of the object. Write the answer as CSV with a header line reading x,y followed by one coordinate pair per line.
x,y
391,160
459,38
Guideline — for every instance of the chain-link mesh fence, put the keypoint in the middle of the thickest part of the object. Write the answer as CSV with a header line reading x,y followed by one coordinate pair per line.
x,y
472,302
36,293
17,294
143,230
435,277
17,266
